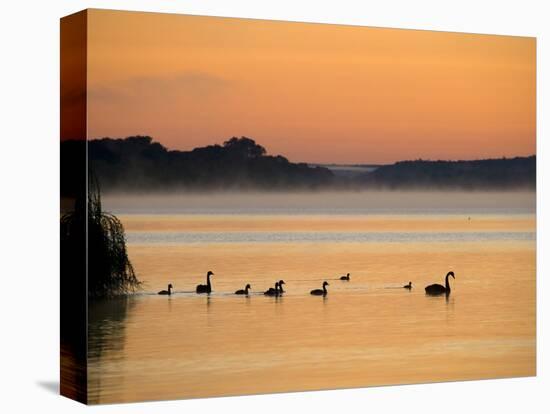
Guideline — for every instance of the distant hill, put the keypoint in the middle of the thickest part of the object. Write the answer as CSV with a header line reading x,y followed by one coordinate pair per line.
x,y
139,164
498,174
348,171
136,164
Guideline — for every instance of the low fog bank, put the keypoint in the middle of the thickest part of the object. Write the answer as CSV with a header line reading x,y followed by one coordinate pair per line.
x,y
330,202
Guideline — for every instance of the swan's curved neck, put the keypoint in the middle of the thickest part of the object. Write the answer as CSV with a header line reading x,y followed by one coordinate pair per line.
x,y
246,289
208,279
169,289
324,288
447,286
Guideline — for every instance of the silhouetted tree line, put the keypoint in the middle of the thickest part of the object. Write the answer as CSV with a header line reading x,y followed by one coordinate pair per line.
x,y
504,174
140,164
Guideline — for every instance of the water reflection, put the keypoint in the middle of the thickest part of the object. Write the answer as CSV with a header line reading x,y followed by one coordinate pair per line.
x,y
106,335
364,332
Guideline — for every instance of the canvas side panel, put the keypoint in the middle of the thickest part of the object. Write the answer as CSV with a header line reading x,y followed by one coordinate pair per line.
x,y
73,317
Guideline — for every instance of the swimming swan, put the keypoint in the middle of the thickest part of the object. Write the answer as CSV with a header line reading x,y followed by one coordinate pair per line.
x,y
243,291
320,292
437,289
166,292
208,287
344,277
273,292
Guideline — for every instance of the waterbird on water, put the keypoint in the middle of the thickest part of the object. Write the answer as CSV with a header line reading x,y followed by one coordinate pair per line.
x,y
319,292
346,277
409,286
243,291
278,288
437,289
208,287
166,292
273,292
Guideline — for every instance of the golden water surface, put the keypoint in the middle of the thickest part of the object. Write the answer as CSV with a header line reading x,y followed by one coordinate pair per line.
x,y
368,331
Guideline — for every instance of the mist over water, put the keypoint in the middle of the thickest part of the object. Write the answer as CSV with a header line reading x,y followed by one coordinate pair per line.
x,y
334,202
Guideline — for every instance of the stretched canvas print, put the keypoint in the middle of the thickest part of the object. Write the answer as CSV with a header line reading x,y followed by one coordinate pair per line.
x,y
255,206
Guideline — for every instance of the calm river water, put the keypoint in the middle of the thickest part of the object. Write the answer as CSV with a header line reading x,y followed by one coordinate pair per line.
x,y
368,331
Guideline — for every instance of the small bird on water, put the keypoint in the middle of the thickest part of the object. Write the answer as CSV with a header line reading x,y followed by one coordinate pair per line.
x,y
320,292
243,291
166,292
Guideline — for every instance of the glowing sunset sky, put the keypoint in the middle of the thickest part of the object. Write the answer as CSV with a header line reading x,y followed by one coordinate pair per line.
x,y
311,92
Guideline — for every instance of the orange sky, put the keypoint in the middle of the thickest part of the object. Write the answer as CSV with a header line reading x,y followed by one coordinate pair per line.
x,y
311,92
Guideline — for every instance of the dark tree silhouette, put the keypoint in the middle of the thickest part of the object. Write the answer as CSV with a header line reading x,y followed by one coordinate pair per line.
x,y
501,173
244,147
139,164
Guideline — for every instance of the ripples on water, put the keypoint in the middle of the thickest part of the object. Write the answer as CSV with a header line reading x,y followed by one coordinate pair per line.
x,y
332,237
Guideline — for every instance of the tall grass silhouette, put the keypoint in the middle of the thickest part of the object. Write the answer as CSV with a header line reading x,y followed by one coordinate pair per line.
x,y
110,272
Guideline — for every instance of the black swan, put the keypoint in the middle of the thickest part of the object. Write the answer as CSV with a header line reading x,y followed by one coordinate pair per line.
x,y
409,286
320,292
166,292
208,287
437,289
346,277
243,291
273,292
278,287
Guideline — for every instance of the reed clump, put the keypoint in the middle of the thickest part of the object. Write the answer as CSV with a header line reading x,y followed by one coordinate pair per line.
x,y
110,272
